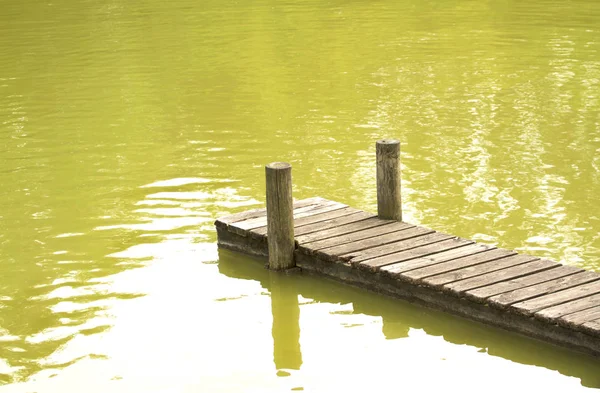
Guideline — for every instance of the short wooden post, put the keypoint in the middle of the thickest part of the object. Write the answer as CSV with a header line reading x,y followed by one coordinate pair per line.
x,y
389,201
280,216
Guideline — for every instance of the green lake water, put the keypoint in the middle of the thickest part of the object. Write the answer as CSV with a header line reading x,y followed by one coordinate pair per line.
x,y
127,127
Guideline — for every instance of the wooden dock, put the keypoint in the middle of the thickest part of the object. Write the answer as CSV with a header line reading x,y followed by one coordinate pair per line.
x,y
536,297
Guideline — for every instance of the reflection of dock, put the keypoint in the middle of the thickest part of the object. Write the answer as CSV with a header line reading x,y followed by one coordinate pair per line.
x,y
398,317
539,298
286,322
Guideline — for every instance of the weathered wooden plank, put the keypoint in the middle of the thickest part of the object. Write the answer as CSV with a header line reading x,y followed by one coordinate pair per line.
x,y
581,317
416,252
325,215
396,268
313,219
502,275
244,226
425,236
262,212
506,299
357,258
441,280
530,306
417,275
571,311
316,209
254,213
331,223
591,327
255,222
334,253
349,229
483,293
390,227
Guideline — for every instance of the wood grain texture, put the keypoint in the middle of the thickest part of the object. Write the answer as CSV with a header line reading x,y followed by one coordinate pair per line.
x,y
335,252
396,268
242,227
347,229
591,327
314,219
280,217
417,275
415,252
262,212
331,223
501,275
357,236
324,215
544,288
418,236
442,280
389,200
513,284
531,306
581,317
570,310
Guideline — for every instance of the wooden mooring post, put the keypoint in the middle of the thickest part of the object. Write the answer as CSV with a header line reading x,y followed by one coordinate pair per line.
x,y
389,200
280,216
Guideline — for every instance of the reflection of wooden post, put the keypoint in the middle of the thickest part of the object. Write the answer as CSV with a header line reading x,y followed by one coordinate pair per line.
x,y
389,201
286,322
280,216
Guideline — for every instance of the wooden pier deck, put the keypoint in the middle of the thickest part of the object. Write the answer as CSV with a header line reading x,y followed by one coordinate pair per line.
x,y
536,297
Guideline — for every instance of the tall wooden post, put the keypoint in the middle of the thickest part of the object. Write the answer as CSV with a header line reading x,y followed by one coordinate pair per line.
x,y
280,216
389,201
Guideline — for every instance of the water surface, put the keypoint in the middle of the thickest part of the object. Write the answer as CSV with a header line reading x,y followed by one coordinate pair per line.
x,y
126,128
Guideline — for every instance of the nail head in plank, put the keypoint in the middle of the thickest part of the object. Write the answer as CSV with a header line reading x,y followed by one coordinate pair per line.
x,y
544,288
416,252
428,260
498,288
529,307
502,275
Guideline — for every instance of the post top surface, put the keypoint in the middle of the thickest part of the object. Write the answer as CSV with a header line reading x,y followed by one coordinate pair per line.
x,y
279,165
388,142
